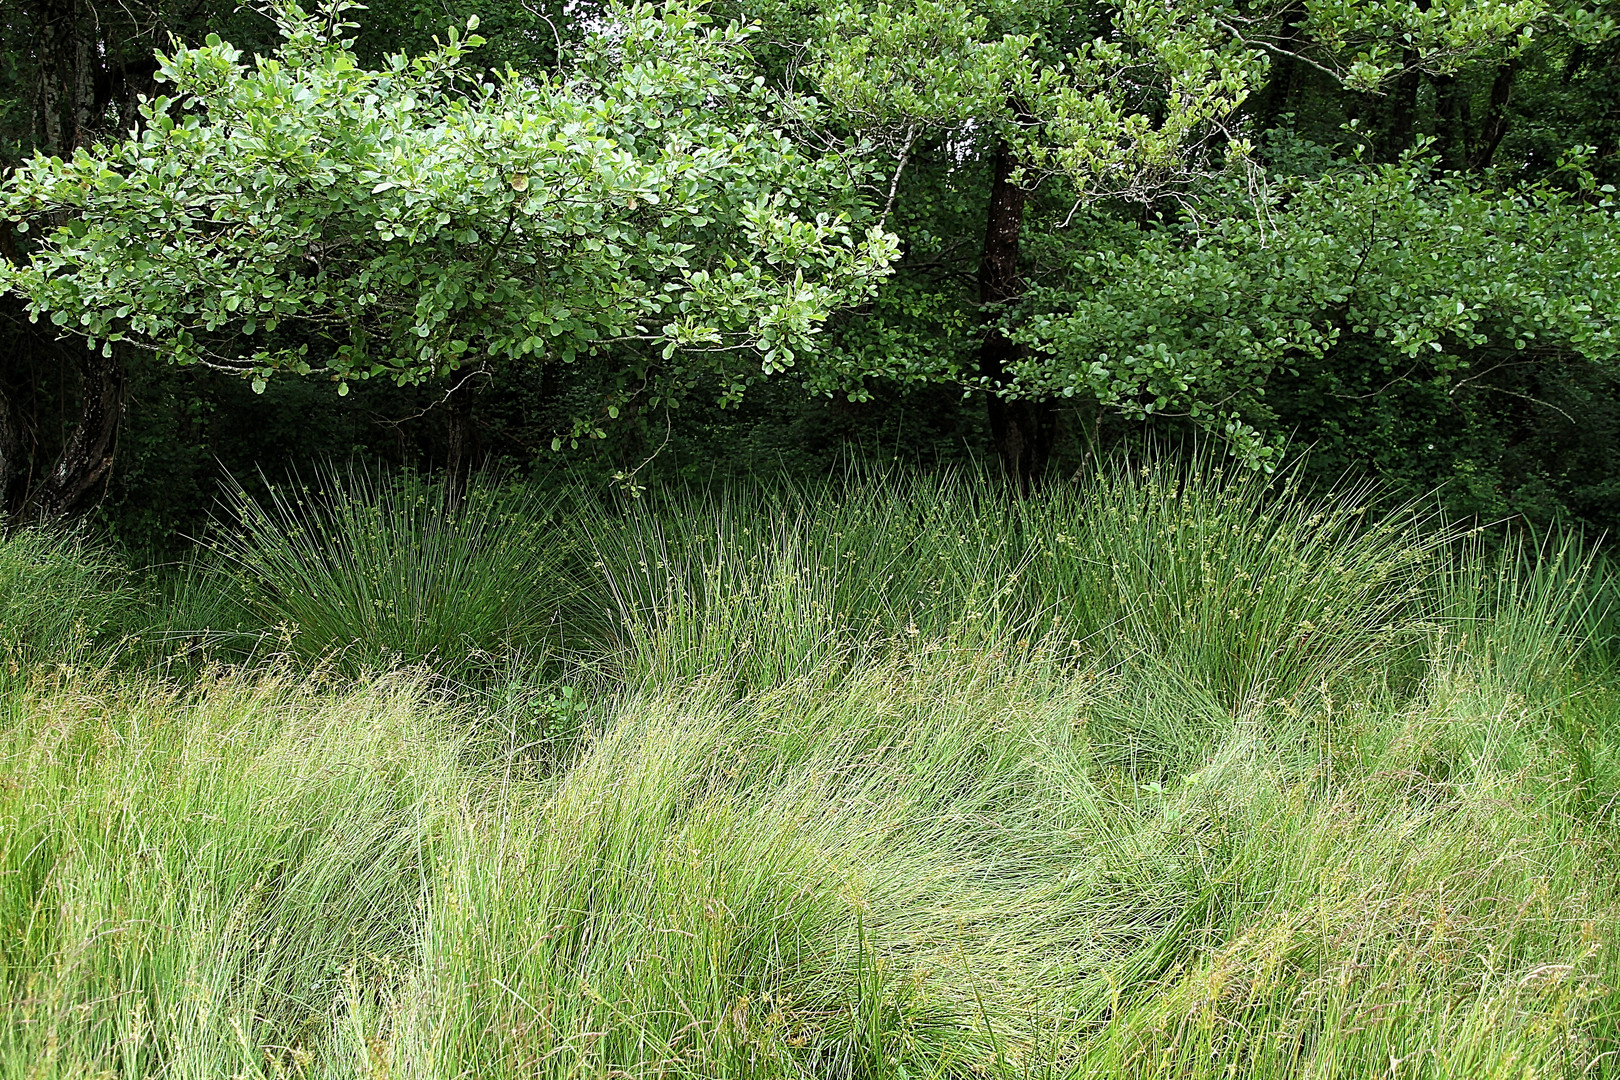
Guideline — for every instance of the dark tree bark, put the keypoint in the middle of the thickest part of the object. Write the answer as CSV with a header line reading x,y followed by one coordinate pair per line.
x,y
11,455
1608,144
1021,429
84,93
461,440
1455,123
1284,79
1495,125
86,461
1402,108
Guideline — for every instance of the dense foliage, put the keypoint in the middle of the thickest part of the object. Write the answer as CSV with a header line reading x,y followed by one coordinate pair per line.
x,y
1383,230
399,223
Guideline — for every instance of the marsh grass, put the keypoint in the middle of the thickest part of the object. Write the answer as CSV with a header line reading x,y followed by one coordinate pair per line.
x,y
904,781
367,572
57,594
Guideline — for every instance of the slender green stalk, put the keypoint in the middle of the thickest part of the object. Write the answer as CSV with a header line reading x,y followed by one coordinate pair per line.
x,y
367,572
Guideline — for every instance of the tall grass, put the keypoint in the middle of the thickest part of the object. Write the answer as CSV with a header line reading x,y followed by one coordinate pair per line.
x,y
1242,586
57,592
368,571
902,781
193,880
766,584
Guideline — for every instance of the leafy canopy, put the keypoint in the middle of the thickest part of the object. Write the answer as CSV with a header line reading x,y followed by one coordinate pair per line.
x,y
1447,278
1231,272
302,213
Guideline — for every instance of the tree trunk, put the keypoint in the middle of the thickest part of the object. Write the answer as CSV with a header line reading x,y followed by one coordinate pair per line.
x,y
1402,108
1608,144
87,457
1496,117
69,64
1021,429
1454,122
461,440
1272,103
11,455
75,95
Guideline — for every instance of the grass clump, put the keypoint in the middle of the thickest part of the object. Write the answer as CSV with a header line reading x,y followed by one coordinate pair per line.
x,y
369,572
57,592
195,881
1244,585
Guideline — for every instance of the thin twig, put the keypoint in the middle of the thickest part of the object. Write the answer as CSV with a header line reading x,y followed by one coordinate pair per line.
x,y
1269,47
899,167
1532,400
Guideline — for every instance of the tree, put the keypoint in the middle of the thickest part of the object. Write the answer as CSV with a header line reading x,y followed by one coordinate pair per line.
x,y
1084,139
1122,106
1447,281
79,76
1157,210
305,214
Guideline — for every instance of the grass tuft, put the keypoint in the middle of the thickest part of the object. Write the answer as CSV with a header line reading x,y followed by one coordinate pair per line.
x,y
57,592
367,572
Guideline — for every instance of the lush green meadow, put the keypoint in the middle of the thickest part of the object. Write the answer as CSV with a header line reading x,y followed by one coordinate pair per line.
x,y
1163,774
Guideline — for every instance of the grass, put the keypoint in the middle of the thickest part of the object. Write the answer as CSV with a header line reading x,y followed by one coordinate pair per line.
x,y
1168,775
364,573
56,594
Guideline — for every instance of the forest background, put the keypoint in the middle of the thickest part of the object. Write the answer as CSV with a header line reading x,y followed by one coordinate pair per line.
x,y
1385,238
